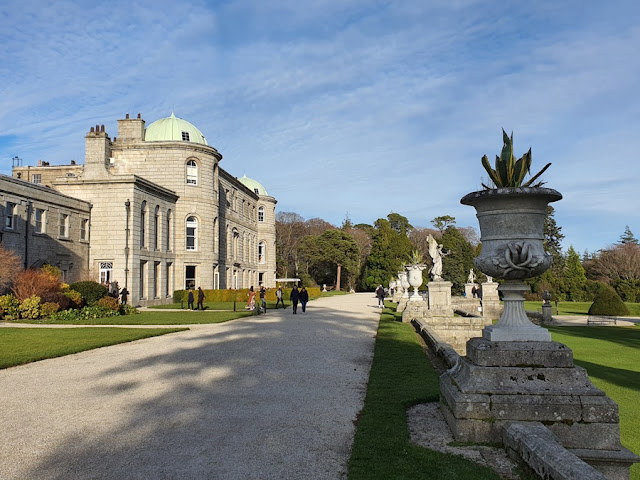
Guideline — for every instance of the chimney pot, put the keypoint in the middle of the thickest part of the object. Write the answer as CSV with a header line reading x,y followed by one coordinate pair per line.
x,y
92,130
127,117
139,116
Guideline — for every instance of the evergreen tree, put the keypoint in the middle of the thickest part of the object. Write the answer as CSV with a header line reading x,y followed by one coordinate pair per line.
x,y
443,222
574,279
552,239
389,251
459,259
322,254
627,237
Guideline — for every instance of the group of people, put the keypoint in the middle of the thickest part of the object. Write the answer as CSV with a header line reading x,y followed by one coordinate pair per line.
x,y
191,298
297,296
114,291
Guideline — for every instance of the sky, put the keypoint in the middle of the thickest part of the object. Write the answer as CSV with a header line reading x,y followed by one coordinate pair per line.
x,y
347,108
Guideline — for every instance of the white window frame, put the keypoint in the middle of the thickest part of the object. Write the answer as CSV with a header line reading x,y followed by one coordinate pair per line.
x,y
192,224
36,178
10,211
106,272
261,214
63,225
40,220
262,252
84,229
192,172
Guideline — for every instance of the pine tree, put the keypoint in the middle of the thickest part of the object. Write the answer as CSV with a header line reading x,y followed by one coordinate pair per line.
x,y
574,279
627,237
552,239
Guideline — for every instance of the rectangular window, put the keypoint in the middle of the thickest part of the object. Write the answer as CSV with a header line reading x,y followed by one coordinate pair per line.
x,y
63,227
10,216
189,277
156,280
36,178
143,268
40,222
84,229
185,136
260,278
216,279
168,281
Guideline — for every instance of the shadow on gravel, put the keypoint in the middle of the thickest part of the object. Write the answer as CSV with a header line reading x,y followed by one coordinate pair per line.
x,y
273,396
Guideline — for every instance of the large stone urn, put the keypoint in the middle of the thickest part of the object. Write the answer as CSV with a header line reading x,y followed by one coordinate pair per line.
x,y
402,276
512,234
414,277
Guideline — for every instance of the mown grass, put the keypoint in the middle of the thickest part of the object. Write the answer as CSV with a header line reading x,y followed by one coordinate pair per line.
x,y
401,376
577,308
183,317
24,345
611,356
332,293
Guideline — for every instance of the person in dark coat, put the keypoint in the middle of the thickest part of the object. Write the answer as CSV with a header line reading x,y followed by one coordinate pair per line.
x,y
295,296
190,299
200,299
380,295
304,298
123,295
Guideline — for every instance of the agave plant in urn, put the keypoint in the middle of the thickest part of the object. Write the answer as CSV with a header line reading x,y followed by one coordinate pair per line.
x,y
511,215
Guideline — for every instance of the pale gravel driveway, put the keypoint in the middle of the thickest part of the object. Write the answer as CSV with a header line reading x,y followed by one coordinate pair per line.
x,y
270,397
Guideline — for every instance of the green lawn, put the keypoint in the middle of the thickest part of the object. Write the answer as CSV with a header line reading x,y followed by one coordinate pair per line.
x,y
24,345
401,376
577,308
239,306
183,317
611,356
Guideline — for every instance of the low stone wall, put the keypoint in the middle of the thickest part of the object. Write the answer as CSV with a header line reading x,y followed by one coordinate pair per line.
x,y
445,352
535,445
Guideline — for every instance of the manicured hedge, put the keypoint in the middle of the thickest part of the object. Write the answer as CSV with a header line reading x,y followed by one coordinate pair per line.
x,y
240,295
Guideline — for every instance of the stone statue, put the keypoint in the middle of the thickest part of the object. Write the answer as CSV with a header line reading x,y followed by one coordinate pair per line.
x,y
436,253
489,279
472,276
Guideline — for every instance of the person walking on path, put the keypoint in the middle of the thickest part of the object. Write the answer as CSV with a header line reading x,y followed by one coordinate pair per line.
x,y
263,299
190,299
304,298
295,296
200,299
251,303
380,295
279,297
123,295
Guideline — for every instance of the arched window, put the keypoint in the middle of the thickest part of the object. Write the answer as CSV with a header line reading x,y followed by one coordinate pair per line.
x,y
236,242
192,172
168,231
215,235
261,214
192,233
156,228
262,252
143,221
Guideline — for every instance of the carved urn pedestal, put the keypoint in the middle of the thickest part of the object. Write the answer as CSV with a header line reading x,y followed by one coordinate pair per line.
x,y
515,373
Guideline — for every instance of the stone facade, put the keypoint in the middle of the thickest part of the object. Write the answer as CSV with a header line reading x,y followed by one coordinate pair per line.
x,y
42,226
164,215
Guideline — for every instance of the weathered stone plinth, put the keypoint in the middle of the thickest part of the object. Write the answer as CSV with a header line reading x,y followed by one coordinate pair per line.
x,y
440,298
468,289
499,382
402,304
491,307
414,309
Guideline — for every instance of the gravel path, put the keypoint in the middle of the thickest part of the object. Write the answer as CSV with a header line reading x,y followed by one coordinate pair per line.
x,y
269,397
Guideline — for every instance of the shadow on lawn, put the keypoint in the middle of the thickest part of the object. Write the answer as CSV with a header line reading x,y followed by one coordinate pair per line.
x,y
627,336
618,376
273,396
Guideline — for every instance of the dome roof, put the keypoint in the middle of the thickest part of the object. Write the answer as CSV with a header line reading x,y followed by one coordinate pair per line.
x,y
173,129
253,185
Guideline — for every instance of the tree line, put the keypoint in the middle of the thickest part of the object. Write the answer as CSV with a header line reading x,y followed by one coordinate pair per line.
x,y
370,255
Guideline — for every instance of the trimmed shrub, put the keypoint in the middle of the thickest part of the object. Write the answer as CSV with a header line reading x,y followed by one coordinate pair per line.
x,y
35,282
74,297
58,298
108,303
49,308
55,272
9,306
179,296
30,308
128,310
90,291
608,302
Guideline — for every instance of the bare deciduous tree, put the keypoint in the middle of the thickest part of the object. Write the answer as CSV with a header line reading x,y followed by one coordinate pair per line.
x,y
621,262
9,268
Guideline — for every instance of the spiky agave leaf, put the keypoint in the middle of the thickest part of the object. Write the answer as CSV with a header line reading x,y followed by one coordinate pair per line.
x,y
492,173
533,179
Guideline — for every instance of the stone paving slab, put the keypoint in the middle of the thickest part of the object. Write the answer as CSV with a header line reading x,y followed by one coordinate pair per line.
x,y
267,397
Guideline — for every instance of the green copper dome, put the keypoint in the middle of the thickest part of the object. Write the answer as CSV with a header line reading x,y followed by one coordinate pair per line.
x,y
173,129
253,185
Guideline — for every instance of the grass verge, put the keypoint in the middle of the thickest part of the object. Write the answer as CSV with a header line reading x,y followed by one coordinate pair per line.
x,y
401,376
610,355
24,345
577,308
183,317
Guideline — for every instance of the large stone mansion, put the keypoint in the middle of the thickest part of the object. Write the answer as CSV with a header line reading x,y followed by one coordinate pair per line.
x,y
150,209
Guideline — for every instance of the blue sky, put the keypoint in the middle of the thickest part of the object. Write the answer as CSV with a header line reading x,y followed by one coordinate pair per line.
x,y
347,107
